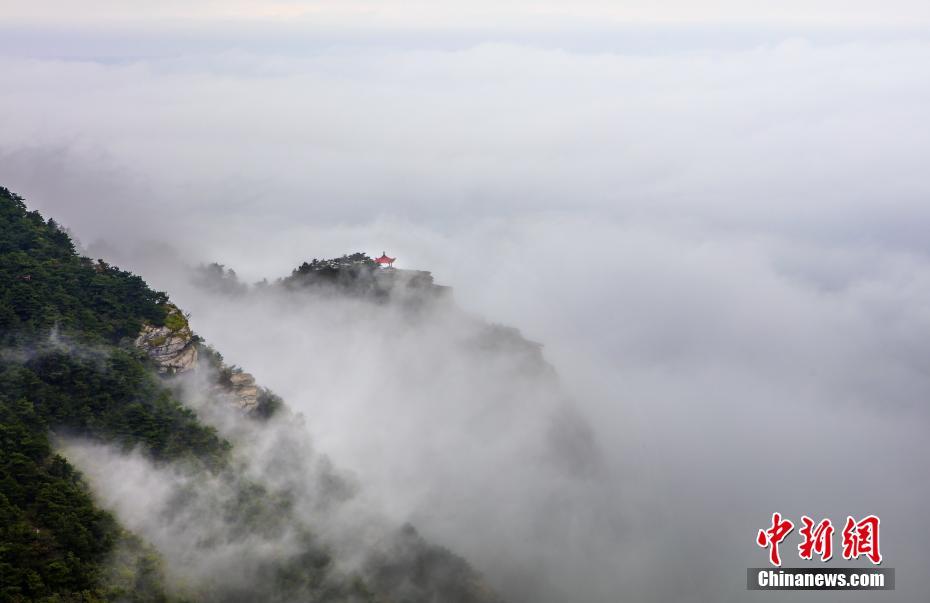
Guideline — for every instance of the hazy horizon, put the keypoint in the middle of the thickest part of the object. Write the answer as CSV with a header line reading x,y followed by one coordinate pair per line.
x,y
712,215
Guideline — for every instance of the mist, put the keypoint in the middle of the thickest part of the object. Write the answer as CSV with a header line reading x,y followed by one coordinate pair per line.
x,y
716,234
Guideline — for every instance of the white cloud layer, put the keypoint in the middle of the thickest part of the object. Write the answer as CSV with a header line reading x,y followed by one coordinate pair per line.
x,y
720,239
485,12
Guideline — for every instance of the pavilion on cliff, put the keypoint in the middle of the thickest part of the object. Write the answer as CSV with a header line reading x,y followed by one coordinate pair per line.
x,y
384,260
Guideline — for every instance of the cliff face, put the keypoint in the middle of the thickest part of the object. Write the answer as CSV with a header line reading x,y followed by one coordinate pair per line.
x,y
174,350
424,400
170,347
244,391
358,275
65,370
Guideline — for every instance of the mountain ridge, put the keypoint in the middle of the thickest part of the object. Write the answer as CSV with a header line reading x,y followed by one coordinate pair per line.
x,y
97,339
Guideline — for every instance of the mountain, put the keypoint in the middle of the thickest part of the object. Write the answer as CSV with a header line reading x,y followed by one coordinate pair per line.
x,y
459,424
221,496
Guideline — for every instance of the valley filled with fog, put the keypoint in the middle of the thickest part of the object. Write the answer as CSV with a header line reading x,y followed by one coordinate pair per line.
x,y
715,236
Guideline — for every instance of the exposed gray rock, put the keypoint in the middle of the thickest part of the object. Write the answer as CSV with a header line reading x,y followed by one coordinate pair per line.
x,y
171,347
244,391
174,350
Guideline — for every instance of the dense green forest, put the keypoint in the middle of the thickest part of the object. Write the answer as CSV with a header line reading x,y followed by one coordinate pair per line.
x,y
47,285
67,364
69,367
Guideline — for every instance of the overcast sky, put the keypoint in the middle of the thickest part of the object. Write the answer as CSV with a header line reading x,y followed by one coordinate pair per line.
x,y
713,214
483,12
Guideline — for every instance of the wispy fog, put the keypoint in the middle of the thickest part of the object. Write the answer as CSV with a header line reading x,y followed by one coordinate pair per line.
x,y
718,236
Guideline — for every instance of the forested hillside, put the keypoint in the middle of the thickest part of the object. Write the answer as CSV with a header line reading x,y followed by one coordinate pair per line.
x,y
67,364
70,368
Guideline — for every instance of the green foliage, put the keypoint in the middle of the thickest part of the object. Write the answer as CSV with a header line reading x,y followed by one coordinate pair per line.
x,y
219,279
46,284
54,543
175,321
355,274
357,259
134,573
52,538
268,404
111,396
67,366
411,563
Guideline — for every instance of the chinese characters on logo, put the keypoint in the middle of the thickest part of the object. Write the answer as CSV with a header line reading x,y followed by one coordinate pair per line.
x,y
860,538
773,536
816,539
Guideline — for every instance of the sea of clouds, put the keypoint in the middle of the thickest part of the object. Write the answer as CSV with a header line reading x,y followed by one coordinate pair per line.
x,y
718,235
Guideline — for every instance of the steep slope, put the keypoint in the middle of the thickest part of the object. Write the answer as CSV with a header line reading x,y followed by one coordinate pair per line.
x,y
63,319
359,276
461,425
83,344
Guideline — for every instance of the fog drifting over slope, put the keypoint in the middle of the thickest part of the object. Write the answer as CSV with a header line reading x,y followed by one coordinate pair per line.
x,y
719,239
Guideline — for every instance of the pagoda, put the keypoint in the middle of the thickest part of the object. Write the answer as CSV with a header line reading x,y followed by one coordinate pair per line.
x,y
384,260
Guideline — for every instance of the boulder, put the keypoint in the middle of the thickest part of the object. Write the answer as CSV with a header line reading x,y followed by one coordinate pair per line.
x,y
171,346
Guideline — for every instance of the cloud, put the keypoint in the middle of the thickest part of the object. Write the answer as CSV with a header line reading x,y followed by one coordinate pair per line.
x,y
421,13
721,376
799,136
721,244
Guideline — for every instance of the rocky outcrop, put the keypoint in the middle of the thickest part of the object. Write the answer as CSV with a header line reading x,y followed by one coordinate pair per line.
x,y
244,391
358,275
174,349
171,346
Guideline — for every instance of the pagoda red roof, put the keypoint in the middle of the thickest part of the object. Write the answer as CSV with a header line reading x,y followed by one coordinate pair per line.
x,y
384,259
